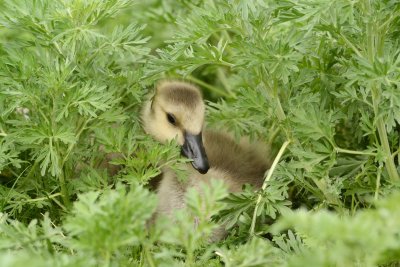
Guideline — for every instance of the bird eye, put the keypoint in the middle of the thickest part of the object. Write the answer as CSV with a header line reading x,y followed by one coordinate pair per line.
x,y
171,118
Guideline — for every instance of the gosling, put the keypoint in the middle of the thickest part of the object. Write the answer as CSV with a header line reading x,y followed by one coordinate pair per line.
x,y
176,111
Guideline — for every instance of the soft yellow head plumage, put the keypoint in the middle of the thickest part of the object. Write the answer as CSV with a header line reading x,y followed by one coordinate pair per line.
x,y
176,108
177,111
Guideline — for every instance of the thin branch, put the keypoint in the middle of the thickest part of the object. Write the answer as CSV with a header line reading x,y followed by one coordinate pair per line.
x,y
353,152
209,86
264,186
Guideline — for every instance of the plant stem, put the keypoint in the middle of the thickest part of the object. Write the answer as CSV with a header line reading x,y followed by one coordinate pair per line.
x,y
389,161
64,190
59,204
224,81
280,113
329,196
14,184
264,186
148,256
372,42
209,86
378,183
72,145
272,136
43,198
107,258
351,45
32,170
353,152
273,91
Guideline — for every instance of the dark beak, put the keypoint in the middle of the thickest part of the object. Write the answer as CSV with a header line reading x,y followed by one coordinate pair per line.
x,y
193,149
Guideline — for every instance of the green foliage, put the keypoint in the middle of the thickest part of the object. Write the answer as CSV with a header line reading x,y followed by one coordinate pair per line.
x,y
255,253
367,239
104,224
321,74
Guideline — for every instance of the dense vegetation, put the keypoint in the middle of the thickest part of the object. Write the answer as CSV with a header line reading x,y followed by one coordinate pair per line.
x,y
316,80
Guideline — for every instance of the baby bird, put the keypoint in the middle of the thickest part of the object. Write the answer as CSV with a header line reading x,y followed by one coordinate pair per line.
x,y
177,111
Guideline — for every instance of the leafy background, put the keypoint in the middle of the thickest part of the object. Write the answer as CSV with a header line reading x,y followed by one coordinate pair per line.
x,y
318,80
